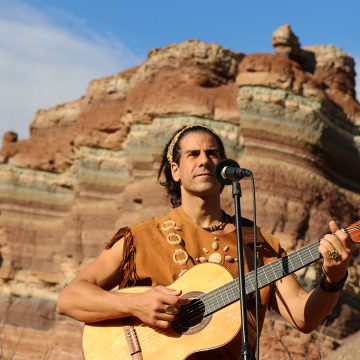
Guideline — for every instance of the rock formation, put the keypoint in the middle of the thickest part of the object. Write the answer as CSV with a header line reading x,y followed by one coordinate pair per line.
x,y
90,166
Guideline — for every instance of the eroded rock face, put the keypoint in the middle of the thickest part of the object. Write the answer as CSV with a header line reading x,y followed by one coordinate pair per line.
x,y
10,137
90,167
286,43
334,67
213,64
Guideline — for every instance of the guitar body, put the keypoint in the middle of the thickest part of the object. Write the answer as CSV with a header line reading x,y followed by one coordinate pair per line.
x,y
107,340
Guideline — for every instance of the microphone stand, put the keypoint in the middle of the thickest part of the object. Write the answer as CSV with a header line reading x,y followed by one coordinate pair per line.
x,y
236,193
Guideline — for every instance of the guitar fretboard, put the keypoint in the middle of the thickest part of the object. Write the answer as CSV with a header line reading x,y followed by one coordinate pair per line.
x,y
267,274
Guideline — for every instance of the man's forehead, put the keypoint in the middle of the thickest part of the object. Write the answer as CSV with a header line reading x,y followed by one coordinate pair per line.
x,y
198,140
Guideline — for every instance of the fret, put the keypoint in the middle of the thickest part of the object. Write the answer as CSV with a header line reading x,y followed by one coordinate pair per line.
x,y
272,268
218,298
278,271
234,289
265,275
301,261
212,298
261,280
315,255
222,302
208,309
293,265
228,297
248,279
305,254
311,255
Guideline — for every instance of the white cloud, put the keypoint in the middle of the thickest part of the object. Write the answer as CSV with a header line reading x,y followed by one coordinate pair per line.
x,y
44,63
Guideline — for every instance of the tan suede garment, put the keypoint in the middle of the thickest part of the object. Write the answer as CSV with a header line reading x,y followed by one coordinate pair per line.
x,y
158,251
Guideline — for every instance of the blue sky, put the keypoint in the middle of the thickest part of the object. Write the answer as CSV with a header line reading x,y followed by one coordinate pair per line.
x,y
51,49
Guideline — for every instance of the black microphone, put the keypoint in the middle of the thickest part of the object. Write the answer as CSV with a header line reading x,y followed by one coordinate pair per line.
x,y
228,170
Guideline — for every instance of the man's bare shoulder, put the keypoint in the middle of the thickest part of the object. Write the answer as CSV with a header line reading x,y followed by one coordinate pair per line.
x,y
155,222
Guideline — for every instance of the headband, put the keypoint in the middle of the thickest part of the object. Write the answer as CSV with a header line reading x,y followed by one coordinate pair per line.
x,y
175,139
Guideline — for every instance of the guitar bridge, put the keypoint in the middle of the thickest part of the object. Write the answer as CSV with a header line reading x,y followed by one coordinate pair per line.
x,y
133,343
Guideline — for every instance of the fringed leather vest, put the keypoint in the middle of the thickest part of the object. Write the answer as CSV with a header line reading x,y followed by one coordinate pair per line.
x,y
158,251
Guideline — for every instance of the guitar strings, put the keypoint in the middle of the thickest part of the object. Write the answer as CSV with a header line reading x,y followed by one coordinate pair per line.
x,y
280,263
262,275
353,229
234,286
211,295
145,337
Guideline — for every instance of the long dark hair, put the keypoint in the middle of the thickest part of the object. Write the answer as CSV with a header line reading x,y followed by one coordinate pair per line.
x,y
172,187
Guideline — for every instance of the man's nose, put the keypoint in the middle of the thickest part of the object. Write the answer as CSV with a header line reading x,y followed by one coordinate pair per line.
x,y
204,158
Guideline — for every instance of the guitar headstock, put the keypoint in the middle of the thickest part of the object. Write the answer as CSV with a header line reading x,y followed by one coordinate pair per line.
x,y
354,232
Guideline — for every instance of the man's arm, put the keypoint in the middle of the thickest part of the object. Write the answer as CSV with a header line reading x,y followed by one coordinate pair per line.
x,y
304,310
87,298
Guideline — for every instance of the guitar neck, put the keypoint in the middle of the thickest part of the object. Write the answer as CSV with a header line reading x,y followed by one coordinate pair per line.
x,y
282,267
267,274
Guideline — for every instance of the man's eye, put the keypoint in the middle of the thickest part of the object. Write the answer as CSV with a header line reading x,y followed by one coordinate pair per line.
x,y
194,154
214,154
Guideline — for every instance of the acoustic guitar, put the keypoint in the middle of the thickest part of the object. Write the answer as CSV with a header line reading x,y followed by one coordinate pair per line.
x,y
210,320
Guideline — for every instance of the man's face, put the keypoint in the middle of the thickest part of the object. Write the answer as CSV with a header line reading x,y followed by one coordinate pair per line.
x,y
199,155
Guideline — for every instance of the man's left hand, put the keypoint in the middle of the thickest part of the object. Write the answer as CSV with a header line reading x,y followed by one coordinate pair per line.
x,y
336,249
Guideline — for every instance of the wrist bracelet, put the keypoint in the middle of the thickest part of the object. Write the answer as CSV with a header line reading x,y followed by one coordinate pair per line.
x,y
332,286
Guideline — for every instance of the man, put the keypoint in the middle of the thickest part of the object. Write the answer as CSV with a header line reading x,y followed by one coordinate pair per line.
x,y
160,250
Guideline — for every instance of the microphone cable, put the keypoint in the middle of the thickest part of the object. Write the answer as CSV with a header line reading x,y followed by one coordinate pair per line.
x,y
257,292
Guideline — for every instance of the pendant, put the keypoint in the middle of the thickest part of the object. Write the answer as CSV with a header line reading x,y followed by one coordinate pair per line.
x,y
215,258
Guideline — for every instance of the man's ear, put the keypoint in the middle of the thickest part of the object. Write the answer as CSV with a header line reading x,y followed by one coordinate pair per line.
x,y
175,171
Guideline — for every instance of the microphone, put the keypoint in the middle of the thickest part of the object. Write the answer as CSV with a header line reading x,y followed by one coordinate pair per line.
x,y
228,170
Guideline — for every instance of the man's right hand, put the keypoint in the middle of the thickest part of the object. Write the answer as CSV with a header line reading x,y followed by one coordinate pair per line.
x,y
151,306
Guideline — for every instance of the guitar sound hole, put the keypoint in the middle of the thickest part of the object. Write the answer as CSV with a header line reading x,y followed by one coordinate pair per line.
x,y
190,318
